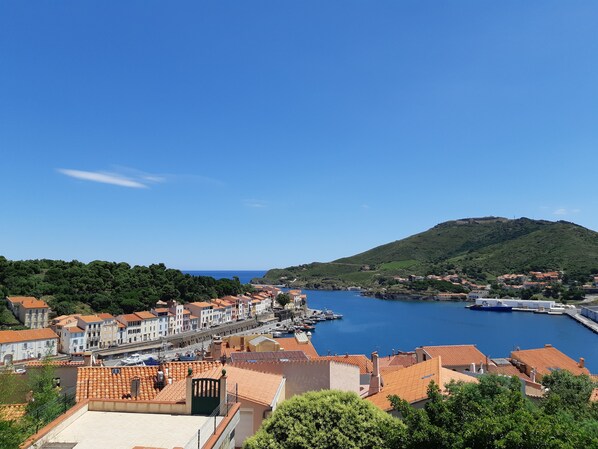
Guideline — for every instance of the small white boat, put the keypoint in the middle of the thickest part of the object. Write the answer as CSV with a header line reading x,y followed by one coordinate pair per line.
x,y
132,360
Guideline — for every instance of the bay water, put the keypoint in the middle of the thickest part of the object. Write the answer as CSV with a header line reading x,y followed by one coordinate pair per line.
x,y
371,324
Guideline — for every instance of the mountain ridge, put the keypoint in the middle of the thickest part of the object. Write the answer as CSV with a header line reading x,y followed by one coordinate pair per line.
x,y
479,248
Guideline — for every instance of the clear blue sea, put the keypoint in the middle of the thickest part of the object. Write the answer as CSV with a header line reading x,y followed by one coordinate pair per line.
x,y
371,324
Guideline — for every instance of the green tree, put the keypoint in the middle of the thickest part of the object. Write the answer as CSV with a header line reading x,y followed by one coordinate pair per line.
x,y
567,392
327,420
283,299
45,404
492,414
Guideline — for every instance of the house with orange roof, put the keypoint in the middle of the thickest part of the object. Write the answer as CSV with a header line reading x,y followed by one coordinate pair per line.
x,y
229,313
175,317
108,330
411,383
32,312
149,325
132,324
191,408
244,307
203,310
72,339
258,393
163,315
536,363
91,325
27,344
462,358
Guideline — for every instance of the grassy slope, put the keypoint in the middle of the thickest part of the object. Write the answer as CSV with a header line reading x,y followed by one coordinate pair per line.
x,y
495,246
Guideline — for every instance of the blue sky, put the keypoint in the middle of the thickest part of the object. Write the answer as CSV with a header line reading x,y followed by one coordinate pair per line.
x,y
258,134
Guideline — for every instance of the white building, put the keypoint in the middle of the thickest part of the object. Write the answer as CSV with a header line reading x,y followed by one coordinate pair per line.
x,y
72,339
92,325
163,318
27,344
203,310
149,326
133,327
175,323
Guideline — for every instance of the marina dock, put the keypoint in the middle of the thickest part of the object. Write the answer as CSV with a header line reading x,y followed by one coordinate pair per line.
x,y
592,325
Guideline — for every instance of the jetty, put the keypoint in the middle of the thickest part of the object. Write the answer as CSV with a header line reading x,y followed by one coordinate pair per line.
x,y
577,316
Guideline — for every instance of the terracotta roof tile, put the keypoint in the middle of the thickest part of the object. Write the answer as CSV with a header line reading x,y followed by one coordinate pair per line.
x,y
456,355
406,359
252,385
365,364
146,315
26,335
91,319
114,382
106,316
291,344
411,383
547,359
28,302
103,382
507,370
129,317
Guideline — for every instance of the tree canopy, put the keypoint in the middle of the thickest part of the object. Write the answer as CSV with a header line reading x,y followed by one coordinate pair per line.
x,y
494,414
107,286
327,420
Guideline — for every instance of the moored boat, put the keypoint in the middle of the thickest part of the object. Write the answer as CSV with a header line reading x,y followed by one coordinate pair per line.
x,y
497,307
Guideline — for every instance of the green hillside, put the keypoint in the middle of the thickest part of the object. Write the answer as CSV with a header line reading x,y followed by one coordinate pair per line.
x,y
477,248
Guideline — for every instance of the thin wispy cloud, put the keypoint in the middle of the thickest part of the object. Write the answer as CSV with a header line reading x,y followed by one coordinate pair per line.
x,y
256,204
139,181
563,211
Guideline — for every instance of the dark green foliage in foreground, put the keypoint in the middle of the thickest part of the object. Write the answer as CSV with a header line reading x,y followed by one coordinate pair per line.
x,y
494,414
479,249
46,404
327,420
107,286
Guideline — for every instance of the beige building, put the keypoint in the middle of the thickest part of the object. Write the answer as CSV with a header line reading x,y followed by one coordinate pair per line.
x,y
30,311
108,330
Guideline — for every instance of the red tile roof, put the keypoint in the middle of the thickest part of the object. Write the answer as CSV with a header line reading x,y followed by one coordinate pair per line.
x,y
291,344
28,302
146,315
90,318
106,383
546,360
361,361
411,383
27,335
456,355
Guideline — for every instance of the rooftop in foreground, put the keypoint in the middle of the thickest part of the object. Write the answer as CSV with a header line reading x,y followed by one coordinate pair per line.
x,y
101,430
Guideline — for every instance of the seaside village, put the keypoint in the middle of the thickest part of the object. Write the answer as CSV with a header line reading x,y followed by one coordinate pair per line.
x,y
218,396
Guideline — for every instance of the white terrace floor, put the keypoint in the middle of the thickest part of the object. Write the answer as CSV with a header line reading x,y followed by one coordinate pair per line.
x,y
103,430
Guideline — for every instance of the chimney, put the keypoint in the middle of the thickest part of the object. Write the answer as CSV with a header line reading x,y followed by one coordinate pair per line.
x,y
582,362
533,375
548,345
216,349
87,358
375,384
472,367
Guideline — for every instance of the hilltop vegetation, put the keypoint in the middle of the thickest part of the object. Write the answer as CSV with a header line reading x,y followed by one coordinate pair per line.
x,y
479,249
76,287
